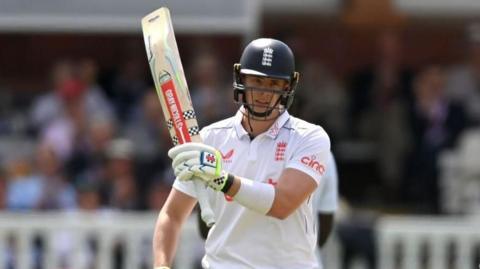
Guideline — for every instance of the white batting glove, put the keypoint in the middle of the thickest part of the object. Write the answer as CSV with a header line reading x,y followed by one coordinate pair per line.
x,y
199,161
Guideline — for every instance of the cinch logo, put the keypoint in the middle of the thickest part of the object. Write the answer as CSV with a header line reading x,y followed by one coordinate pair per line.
x,y
267,57
310,162
227,158
177,119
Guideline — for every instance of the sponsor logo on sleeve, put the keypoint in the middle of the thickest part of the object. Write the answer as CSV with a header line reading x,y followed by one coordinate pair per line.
x,y
311,162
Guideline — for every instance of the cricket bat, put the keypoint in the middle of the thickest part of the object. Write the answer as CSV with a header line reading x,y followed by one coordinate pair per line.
x,y
172,90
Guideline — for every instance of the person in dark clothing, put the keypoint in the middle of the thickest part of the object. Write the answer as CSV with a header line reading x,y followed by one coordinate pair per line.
x,y
435,125
379,98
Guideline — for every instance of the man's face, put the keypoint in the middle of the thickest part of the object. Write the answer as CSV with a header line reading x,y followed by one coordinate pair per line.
x,y
263,93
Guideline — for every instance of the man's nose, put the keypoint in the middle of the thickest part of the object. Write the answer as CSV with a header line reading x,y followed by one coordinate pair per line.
x,y
264,94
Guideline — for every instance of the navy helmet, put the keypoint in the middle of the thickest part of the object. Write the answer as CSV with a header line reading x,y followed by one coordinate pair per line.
x,y
266,57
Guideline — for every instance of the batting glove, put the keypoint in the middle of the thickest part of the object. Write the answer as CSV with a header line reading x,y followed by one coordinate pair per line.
x,y
199,161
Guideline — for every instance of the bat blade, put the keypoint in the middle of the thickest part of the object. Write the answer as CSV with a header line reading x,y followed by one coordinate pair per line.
x,y
168,76
172,90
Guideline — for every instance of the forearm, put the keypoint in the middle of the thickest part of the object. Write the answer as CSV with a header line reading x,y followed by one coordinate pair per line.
x,y
278,201
257,196
196,161
165,240
282,206
325,221
260,197
323,236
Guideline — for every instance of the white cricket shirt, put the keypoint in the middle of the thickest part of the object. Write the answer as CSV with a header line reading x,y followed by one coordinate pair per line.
x,y
242,238
326,195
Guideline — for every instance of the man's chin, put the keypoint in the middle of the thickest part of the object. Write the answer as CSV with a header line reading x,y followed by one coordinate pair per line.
x,y
273,115
261,111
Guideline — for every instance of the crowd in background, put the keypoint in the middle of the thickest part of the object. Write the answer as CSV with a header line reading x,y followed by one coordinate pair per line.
x,y
89,144
82,145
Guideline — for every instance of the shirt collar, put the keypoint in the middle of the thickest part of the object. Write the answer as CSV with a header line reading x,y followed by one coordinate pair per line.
x,y
272,132
238,124
277,125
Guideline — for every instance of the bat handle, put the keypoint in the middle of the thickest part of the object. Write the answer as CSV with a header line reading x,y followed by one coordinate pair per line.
x,y
205,209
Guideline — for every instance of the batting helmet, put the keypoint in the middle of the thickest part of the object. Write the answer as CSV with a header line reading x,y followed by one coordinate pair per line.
x,y
266,57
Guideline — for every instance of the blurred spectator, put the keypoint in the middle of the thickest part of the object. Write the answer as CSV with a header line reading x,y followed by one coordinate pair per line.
x,y
88,196
435,124
49,106
53,104
129,85
209,90
464,80
45,188
119,189
378,109
96,101
24,193
147,130
322,99
57,193
88,160
13,104
356,232
63,132
3,191
23,189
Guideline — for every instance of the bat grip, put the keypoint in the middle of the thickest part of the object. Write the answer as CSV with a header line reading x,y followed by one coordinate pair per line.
x,y
205,209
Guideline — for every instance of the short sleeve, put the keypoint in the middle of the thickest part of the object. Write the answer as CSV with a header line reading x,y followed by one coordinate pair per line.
x,y
327,197
311,154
